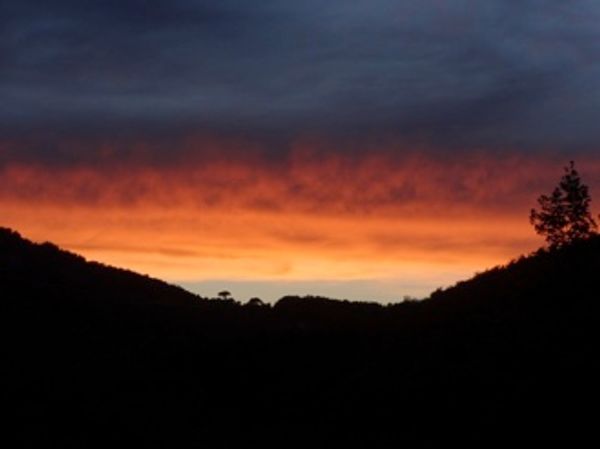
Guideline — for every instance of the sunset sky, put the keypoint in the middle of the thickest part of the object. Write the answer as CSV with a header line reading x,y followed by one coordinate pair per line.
x,y
361,149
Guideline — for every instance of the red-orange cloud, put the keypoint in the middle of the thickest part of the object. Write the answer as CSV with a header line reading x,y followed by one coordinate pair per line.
x,y
311,214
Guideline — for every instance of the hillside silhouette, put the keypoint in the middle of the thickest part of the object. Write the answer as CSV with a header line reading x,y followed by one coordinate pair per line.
x,y
98,356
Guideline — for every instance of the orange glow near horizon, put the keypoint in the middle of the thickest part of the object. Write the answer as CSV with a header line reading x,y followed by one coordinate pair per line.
x,y
313,217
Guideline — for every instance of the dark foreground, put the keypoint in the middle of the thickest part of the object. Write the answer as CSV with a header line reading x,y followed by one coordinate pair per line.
x,y
98,357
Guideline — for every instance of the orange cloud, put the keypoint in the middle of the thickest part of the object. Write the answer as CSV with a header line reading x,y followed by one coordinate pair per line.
x,y
310,215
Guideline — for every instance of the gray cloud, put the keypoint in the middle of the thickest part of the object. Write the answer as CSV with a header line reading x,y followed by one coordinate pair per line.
x,y
496,73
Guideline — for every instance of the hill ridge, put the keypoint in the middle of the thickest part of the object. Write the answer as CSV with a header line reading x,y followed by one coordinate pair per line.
x,y
497,359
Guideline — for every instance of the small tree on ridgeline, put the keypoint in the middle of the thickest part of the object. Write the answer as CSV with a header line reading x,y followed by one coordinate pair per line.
x,y
564,215
224,295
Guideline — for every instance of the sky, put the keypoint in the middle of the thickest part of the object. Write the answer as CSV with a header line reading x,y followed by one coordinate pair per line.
x,y
361,149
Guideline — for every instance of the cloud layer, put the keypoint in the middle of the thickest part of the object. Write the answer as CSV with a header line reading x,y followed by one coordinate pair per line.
x,y
495,73
390,224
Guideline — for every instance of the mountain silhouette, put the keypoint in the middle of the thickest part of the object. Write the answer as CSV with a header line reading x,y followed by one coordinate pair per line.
x,y
43,272
98,356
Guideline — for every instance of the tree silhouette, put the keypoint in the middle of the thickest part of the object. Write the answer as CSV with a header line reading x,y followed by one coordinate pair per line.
x,y
224,294
255,302
564,215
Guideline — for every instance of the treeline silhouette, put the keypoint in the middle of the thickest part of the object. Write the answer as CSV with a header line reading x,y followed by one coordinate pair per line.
x,y
99,357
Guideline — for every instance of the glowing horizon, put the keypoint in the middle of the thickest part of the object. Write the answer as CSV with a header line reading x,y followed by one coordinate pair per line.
x,y
372,223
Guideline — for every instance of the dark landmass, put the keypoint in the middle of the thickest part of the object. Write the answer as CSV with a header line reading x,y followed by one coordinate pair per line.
x,y
101,357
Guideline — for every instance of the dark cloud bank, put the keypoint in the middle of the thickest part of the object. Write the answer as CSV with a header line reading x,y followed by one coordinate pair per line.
x,y
522,74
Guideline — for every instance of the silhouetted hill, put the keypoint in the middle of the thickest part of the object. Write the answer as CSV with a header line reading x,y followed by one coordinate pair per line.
x,y
98,356
38,271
